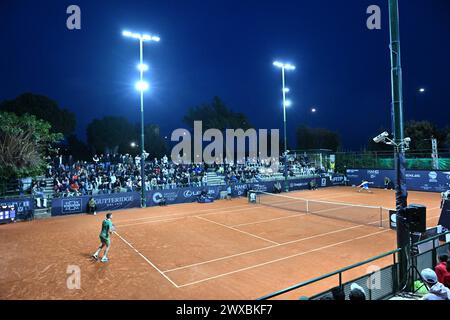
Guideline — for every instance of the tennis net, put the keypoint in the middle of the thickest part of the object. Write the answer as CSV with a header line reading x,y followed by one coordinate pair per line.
x,y
360,214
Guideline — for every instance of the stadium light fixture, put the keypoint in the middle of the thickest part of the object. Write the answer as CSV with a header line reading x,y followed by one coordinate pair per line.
x,y
142,67
313,110
422,90
142,86
286,103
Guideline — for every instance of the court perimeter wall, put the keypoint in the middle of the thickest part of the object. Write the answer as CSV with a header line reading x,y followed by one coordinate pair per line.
x,y
116,201
416,180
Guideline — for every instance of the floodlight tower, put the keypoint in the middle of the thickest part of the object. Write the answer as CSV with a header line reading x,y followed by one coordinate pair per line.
x,y
142,86
286,103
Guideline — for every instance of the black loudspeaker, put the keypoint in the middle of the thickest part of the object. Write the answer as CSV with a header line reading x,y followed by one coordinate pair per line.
x,y
416,217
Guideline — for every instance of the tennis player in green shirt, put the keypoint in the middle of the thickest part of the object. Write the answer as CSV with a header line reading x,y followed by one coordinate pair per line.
x,y
105,241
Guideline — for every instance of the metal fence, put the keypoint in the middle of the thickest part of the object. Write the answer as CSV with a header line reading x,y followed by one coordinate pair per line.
x,y
378,281
415,160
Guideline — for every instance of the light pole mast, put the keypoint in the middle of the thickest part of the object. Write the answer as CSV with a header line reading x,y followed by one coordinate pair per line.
x,y
142,86
286,103
403,234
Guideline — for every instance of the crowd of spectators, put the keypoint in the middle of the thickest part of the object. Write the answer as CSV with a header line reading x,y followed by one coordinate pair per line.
x,y
121,173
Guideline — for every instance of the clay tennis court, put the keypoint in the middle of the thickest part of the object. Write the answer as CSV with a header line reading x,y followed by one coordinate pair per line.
x,y
223,250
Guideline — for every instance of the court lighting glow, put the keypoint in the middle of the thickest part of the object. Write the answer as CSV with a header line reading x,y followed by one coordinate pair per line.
x,y
142,37
142,85
313,110
422,90
288,103
142,67
286,90
133,144
286,66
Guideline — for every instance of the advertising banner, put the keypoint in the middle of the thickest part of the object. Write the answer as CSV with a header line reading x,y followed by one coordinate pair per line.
x,y
25,207
417,180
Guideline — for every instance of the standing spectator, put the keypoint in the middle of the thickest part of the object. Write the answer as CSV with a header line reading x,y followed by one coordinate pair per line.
x,y
441,268
437,290
95,159
92,206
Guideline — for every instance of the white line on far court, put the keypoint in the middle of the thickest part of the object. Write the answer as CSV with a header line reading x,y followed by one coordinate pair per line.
x,y
147,260
234,229
281,259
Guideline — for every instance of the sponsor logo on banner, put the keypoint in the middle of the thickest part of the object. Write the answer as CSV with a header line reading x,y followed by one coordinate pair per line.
x,y
259,187
72,206
426,187
298,184
324,182
413,175
433,176
447,175
338,179
191,193
240,189
352,171
114,202
157,196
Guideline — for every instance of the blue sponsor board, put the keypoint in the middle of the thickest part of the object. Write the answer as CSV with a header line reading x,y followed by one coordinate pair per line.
x,y
116,201
182,195
444,220
104,202
417,180
25,207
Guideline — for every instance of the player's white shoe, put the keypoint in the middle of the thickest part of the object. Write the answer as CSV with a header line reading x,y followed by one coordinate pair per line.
x,y
105,259
95,256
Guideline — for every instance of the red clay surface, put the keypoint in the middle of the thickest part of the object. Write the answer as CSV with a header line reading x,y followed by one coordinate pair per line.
x,y
222,250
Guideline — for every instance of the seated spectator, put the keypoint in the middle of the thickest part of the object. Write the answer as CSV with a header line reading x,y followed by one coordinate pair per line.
x,y
338,293
312,185
229,192
356,293
437,290
446,278
277,187
92,206
441,268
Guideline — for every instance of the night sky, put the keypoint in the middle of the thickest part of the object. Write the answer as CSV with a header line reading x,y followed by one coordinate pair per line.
x,y
226,48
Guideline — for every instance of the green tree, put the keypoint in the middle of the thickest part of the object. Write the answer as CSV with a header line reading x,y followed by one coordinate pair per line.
x,y
77,148
61,120
216,115
317,138
115,134
155,145
24,143
421,133
110,134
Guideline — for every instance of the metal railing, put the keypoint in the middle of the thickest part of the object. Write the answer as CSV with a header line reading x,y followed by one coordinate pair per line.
x,y
389,272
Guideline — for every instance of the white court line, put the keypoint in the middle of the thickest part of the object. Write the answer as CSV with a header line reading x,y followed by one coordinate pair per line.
x,y
279,245
265,248
148,261
146,222
280,259
177,214
269,220
234,229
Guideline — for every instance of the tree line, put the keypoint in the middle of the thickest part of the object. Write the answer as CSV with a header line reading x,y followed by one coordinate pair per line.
x,y
35,126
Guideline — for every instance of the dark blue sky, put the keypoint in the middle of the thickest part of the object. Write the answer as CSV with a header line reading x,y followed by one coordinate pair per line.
x,y
226,48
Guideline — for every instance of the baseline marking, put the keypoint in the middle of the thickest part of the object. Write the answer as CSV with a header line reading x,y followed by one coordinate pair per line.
x,y
147,260
281,259
234,229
